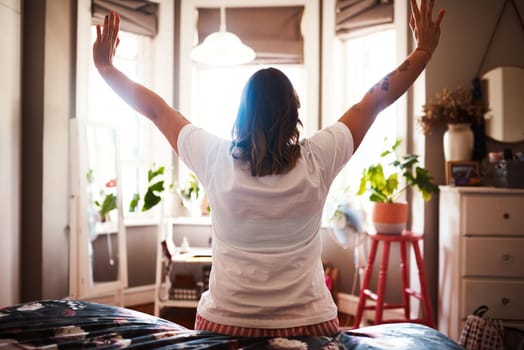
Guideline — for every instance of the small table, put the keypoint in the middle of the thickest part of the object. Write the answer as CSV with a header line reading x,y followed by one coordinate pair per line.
x,y
405,238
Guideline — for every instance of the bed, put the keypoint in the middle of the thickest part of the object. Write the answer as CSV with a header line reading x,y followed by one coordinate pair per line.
x,y
73,324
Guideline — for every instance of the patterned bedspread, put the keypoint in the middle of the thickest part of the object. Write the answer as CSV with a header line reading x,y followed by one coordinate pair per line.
x,y
71,324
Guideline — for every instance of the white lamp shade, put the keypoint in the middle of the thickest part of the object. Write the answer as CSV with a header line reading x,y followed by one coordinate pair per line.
x,y
222,49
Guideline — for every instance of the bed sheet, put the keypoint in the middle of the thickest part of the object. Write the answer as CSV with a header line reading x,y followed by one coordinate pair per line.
x,y
73,324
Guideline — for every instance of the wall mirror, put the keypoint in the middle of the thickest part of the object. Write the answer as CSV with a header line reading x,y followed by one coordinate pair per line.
x,y
98,253
502,90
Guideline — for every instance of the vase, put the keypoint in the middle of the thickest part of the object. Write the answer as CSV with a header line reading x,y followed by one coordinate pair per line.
x,y
458,142
390,218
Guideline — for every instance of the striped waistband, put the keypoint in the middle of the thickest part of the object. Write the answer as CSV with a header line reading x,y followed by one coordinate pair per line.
x,y
328,328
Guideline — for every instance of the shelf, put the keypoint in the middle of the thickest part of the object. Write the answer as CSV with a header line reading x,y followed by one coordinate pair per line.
x,y
178,303
194,255
189,220
199,256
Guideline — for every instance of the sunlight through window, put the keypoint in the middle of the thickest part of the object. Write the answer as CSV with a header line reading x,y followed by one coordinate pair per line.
x,y
368,59
216,94
106,107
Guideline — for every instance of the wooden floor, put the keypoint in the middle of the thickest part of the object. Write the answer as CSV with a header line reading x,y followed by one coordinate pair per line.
x,y
182,316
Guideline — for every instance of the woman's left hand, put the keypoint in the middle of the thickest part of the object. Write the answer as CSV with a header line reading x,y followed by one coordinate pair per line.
x,y
107,41
424,28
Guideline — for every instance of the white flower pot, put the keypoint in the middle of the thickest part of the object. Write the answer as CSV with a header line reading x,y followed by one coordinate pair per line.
x,y
458,142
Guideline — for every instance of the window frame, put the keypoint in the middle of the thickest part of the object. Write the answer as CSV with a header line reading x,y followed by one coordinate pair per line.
x,y
311,48
332,88
158,65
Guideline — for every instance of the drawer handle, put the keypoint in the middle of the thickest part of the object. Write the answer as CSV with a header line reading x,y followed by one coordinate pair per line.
x,y
506,257
506,216
505,301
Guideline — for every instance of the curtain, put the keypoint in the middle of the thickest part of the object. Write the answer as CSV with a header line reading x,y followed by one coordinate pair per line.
x,y
136,16
273,32
354,16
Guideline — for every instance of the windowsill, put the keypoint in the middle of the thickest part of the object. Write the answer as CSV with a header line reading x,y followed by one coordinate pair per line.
x,y
180,220
137,222
184,220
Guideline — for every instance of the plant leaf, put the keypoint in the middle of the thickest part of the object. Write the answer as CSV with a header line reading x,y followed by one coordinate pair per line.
x,y
108,204
152,173
134,202
157,187
150,200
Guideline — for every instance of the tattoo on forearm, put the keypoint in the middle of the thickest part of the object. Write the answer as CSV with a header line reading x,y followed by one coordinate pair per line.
x,y
385,82
404,66
373,88
355,108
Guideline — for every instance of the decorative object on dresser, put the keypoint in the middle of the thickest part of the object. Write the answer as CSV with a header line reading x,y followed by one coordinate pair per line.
x,y
462,173
390,216
458,110
481,242
458,142
509,173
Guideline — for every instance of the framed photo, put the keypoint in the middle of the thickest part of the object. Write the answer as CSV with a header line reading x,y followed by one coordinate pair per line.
x,y
462,173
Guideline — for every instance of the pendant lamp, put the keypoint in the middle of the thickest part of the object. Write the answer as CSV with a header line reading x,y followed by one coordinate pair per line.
x,y
222,48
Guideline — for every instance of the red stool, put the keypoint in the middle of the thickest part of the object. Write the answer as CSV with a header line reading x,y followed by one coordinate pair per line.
x,y
404,239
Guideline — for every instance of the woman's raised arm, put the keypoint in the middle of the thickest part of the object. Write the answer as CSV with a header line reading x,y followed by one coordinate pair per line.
x,y
140,98
361,116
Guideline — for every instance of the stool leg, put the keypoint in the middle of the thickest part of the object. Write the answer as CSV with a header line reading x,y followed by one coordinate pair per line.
x,y
382,278
365,283
428,312
405,279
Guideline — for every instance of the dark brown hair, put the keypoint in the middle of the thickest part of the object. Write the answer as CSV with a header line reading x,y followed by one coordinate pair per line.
x,y
265,132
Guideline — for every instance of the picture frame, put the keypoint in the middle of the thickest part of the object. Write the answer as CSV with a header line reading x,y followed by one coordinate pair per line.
x,y
462,173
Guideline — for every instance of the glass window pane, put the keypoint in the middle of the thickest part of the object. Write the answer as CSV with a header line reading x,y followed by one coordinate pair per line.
x,y
368,59
106,106
221,88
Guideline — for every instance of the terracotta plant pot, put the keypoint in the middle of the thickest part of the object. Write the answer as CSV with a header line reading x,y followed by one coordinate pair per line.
x,y
390,218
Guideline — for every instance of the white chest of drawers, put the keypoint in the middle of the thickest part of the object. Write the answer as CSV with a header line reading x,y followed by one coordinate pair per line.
x,y
481,255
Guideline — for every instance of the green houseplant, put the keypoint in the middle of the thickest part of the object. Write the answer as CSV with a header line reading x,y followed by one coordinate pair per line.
x,y
386,184
155,188
193,196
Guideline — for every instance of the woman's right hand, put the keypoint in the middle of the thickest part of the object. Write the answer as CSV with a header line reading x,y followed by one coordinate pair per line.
x,y
107,41
425,30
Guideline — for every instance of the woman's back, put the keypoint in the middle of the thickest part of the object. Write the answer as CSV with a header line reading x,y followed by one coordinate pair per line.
x,y
266,231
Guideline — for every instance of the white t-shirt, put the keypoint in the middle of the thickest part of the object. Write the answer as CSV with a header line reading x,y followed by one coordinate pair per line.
x,y
267,270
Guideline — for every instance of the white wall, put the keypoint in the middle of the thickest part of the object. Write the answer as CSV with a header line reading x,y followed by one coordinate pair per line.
x,y
57,111
10,150
455,63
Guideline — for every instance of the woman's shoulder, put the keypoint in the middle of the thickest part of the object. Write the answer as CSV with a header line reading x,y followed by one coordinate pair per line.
x,y
337,132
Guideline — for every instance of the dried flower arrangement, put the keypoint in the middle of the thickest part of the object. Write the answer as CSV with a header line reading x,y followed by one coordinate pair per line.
x,y
451,107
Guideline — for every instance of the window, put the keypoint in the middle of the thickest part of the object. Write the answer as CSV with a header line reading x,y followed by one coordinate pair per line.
x,y
210,96
221,90
366,60
106,107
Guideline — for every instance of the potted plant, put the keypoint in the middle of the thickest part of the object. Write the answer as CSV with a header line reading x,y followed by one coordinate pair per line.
x,y
389,215
193,196
155,188
458,110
